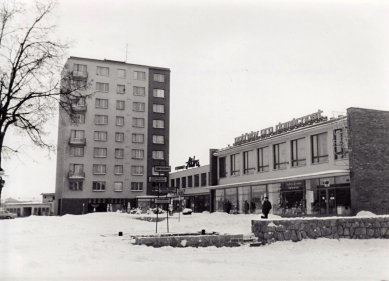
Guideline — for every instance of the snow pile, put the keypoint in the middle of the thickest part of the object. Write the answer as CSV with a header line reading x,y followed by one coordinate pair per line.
x,y
88,248
365,214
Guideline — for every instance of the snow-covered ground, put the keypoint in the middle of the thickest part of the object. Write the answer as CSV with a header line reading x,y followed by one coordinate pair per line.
x,y
88,248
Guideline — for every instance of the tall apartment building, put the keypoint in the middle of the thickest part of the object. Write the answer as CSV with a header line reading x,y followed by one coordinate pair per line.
x,y
107,151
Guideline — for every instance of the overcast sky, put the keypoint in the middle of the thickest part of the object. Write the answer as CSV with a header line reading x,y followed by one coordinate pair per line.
x,y
236,66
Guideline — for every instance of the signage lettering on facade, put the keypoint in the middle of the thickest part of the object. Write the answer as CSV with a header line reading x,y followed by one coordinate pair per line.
x,y
157,179
281,127
162,169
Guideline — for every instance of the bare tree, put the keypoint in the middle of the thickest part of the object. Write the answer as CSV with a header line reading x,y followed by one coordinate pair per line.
x,y
31,84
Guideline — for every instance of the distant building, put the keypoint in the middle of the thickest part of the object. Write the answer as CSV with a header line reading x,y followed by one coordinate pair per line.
x,y
27,208
107,151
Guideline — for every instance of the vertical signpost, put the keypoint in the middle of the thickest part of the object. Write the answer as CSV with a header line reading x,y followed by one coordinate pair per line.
x,y
161,178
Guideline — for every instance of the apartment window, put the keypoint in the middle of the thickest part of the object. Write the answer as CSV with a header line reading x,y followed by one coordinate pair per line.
x,y
138,138
102,87
119,153
138,106
80,67
78,118
118,170
99,152
222,167
158,124
248,162
102,71
263,159
340,144
158,139
99,169
319,148
77,134
139,91
137,170
120,89
76,151
190,181
98,186
136,186
118,186
76,169
138,122
178,182
235,164
119,121
119,137
158,108
298,152
101,103
159,77
101,119
100,136
183,180
75,185
120,104
137,154
279,156
157,154
158,93
121,73
139,75
203,178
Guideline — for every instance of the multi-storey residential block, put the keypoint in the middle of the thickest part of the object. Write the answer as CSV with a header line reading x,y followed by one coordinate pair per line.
x,y
107,150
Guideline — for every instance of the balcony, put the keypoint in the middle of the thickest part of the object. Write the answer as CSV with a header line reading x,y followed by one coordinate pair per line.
x,y
80,75
79,107
77,141
76,175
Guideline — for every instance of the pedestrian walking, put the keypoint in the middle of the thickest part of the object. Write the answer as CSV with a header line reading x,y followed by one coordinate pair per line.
x,y
266,207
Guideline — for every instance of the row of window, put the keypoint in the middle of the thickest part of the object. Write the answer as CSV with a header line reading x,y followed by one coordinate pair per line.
x,y
259,159
77,170
101,186
120,73
190,181
136,106
101,152
137,91
119,137
79,118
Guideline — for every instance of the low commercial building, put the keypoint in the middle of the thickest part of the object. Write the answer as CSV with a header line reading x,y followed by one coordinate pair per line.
x,y
28,208
310,165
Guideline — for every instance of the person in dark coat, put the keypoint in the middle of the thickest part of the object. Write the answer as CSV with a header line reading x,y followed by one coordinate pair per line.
x,y
266,207
246,207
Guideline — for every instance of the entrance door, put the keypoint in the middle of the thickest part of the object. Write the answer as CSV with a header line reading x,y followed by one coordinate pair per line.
x,y
327,201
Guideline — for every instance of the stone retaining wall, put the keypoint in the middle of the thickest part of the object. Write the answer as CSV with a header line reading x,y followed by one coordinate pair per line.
x,y
225,240
298,229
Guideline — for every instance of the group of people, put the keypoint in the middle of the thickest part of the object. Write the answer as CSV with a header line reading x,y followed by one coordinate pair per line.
x,y
266,207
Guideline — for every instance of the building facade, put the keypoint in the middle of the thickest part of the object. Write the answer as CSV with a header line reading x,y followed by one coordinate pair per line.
x,y
29,208
310,165
118,133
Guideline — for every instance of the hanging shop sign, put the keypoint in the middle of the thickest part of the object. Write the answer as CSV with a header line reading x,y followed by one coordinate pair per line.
x,y
281,127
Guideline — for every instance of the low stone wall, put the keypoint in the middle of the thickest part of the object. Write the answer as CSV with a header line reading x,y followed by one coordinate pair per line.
x,y
297,229
190,240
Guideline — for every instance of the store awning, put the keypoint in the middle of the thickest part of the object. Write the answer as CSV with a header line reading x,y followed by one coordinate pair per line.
x,y
329,173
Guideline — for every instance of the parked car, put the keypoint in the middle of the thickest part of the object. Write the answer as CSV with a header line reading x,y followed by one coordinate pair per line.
x,y
7,215
187,211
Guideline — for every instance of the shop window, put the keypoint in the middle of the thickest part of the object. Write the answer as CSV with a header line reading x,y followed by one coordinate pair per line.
x,y
319,148
219,199
279,156
248,162
235,165
298,152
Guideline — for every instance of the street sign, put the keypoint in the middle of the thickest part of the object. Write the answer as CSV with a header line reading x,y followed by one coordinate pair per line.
x,y
162,169
162,200
157,179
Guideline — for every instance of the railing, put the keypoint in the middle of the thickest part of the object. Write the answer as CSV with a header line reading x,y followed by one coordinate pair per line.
x,y
80,74
77,141
76,175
